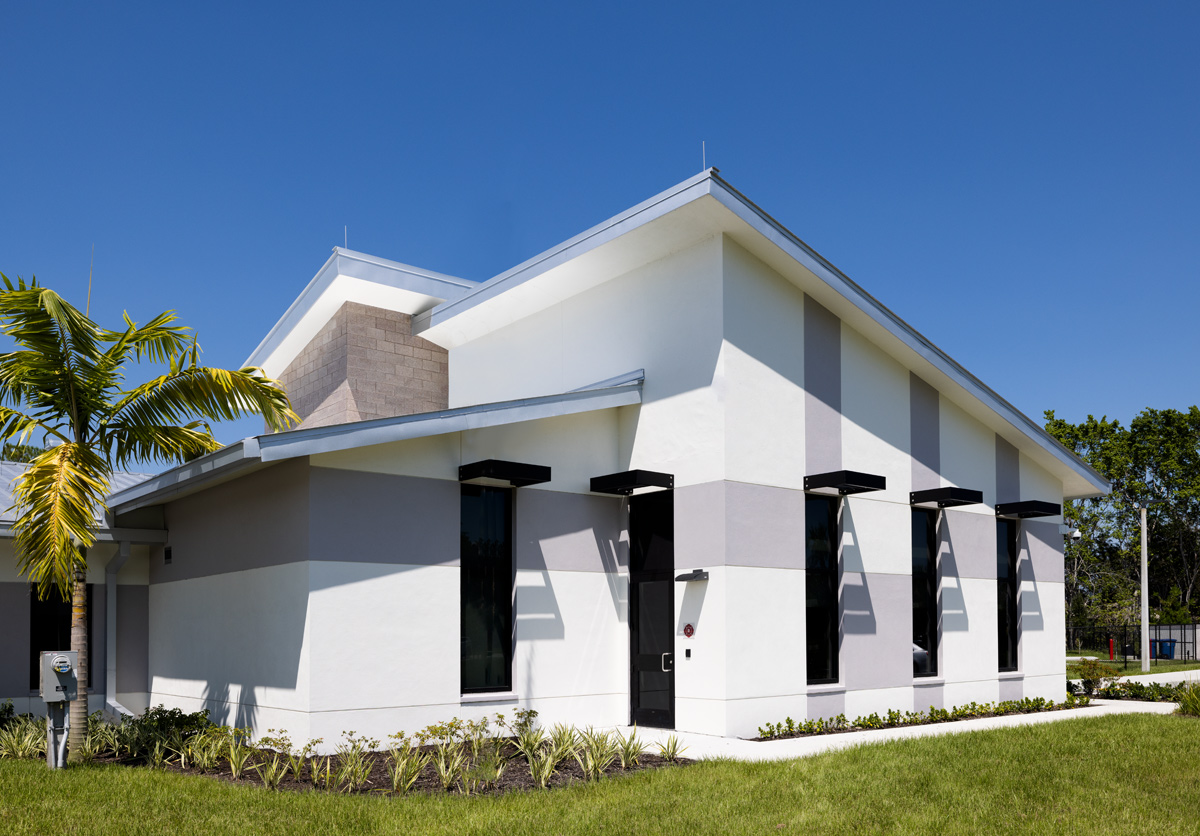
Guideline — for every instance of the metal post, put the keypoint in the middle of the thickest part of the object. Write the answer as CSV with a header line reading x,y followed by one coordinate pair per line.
x,y
1145,601
58,722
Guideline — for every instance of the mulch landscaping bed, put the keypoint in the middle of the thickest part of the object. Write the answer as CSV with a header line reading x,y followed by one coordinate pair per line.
x,y
516,775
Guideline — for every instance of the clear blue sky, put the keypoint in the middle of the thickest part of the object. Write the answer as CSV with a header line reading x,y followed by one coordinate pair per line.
x,y
1020,181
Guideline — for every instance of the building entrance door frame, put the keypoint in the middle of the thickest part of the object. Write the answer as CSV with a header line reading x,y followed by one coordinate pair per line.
x,y
652,609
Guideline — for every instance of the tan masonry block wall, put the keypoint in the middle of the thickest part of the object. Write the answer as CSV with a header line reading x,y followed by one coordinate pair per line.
x,y
365,363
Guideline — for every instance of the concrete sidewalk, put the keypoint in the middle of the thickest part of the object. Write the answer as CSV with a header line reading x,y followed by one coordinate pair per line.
x,y
1168,678
705,746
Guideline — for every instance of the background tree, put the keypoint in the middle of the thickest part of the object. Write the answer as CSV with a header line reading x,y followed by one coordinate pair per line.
x,y
1157,457
64,385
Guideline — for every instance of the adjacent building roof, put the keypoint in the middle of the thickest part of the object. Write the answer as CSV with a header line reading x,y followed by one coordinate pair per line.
x,y
9,471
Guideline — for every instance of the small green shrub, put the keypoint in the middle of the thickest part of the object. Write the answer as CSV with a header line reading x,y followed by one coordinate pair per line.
x,y
895,718
1094,673
671,749
596,752
449,761
1189,699
405,763
237,752
629,748
273,771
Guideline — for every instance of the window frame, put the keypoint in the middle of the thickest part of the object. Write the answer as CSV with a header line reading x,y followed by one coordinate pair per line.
x,y
473,569
928,586
830,577
1008,582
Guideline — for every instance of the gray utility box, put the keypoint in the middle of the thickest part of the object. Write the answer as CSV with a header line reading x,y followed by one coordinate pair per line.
x,y
59,677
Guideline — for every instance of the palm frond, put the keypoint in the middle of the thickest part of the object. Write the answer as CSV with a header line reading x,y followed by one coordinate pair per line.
x,y
57,497
166,444
193,392
157,340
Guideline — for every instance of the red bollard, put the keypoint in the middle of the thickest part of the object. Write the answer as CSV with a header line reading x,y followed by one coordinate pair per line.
x,y
1110,650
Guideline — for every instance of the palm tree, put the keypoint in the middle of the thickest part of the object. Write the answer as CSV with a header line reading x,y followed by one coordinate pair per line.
x,y
65,383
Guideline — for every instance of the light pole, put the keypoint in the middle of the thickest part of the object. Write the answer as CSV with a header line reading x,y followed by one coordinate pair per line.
x,y
1142,506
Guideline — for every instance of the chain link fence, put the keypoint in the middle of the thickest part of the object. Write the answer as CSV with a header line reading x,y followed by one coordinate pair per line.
x,y
1170,644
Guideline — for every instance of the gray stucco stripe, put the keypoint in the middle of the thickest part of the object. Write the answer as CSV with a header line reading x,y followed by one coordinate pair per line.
x,y
362,517
1008,472
258,520
567,532
700,520
924,434
1044,559
133,639
968,545
822,388
14,648
765,526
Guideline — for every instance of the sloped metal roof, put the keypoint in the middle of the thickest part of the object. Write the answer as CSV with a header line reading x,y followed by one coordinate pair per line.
x,y
9,471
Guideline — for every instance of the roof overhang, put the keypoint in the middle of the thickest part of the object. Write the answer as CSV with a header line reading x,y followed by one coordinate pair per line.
x,y
351,277
705,206
255,453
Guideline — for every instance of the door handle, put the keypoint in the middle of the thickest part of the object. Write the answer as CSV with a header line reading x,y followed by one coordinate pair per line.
x,y
665,667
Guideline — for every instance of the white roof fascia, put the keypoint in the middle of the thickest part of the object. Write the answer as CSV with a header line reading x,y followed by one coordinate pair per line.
x,y
254,453
288,445
216,466
350,276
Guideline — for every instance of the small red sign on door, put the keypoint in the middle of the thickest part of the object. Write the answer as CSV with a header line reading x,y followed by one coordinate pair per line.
x,y
688,630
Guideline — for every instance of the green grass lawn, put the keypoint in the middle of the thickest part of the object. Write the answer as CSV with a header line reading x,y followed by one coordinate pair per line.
x,y
1120,775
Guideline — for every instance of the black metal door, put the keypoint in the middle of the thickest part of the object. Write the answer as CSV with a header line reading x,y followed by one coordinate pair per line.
x,y
652,609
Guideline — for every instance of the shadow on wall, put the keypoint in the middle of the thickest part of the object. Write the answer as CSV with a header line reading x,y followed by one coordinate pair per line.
x,y
539,617
952,606
233,643
858,610
1029,603
692,606
226,708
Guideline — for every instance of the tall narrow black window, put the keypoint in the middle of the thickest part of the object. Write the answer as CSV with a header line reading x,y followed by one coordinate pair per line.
x,y
486,572
821,587
924,592
50,629
1006,593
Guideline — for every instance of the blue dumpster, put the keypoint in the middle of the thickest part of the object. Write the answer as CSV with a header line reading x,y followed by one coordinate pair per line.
x,y
1166,649
1154,649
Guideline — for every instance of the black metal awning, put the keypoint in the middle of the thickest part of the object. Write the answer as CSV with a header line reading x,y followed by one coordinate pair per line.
x,y
629,481
845,482
946,497
694,575
517,474
1028,508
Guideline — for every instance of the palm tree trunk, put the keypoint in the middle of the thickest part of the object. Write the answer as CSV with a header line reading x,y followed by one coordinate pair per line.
x,y
79,643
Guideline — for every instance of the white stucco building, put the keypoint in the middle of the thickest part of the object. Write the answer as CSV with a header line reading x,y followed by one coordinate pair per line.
x,y
678,469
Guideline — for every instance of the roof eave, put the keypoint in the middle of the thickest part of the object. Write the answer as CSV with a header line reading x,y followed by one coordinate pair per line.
x,y
426,287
